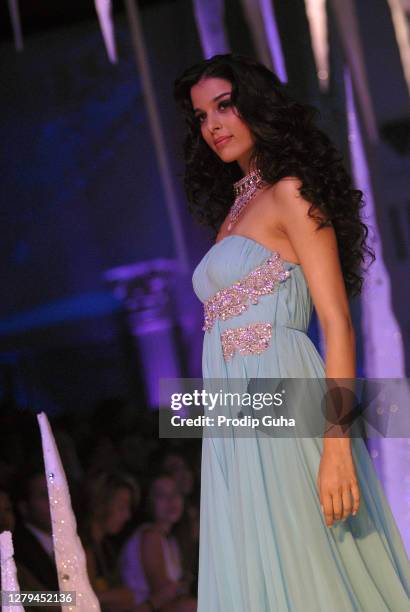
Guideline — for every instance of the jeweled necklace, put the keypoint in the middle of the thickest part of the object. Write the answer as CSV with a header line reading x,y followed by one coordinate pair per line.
x,y
245,189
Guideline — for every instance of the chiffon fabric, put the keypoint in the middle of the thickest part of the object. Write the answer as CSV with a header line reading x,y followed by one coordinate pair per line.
x,y
264,543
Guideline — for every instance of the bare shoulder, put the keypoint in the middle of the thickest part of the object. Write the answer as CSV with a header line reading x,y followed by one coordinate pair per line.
x,y
152,557
287,185
151,533
151,544
290,206
317,251
151,540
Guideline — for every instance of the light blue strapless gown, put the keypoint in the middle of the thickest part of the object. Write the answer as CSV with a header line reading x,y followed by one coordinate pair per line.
x,y
264,543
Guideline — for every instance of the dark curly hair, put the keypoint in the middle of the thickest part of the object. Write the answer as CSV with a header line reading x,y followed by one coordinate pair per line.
x,y
287,143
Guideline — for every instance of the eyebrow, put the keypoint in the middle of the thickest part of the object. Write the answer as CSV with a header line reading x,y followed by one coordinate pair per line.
x,y
214,99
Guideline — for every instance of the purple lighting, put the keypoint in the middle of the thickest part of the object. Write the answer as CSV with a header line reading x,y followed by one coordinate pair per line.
x,y
147,292
383,349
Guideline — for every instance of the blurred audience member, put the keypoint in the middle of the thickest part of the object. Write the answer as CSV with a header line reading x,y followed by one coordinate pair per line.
x,y
32,537
174,463
27,580
151,560
110,499
7,518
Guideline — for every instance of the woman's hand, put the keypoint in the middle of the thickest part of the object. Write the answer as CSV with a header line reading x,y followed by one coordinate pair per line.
x,y
337,482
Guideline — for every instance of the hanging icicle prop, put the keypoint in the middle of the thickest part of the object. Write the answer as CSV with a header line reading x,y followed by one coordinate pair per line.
x,y
68,550
261,20
348,28
382,338
400,14
9,580
209,17
317,18
104,12
14,11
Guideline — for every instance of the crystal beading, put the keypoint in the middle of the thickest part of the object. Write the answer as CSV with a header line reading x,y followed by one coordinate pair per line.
x,y
249,340
234,300
245,189
246,181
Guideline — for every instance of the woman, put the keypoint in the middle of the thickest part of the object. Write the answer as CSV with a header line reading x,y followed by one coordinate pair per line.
x,y
26,579
151,561
287,523
110,501
7,518
175,464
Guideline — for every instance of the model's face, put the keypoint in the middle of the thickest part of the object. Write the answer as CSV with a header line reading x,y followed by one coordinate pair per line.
x,y
211,101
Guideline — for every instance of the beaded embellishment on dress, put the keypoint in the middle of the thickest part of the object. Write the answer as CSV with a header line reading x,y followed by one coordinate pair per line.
x,y
250,340
233,300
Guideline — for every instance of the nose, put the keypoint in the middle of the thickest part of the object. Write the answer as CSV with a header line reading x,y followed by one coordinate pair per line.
x,y
213,123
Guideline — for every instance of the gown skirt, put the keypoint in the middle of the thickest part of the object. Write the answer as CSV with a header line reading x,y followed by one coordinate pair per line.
x,y
264,543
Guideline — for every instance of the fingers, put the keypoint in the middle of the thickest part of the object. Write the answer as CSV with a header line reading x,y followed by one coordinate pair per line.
x,y
347,503
327,506
337,506
340,505
356,497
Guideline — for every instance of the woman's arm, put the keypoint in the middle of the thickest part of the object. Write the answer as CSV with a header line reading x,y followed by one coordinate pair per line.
x,y
114,598
318,254
162,589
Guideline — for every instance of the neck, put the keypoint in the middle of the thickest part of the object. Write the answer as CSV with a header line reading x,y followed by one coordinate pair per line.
x,y
245,165
164,527
247,183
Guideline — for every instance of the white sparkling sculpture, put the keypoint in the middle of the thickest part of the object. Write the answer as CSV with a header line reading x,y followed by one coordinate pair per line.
x,y
9,580
104,12
68,551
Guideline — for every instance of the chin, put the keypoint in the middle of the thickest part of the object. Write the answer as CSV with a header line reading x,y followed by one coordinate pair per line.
x,y
228,158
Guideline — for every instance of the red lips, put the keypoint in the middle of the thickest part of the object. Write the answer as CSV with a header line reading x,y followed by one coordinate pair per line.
x,y
221,140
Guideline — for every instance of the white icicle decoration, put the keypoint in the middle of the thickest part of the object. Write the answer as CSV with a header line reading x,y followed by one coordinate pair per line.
x,y
15,19
104,12
9,580
68,551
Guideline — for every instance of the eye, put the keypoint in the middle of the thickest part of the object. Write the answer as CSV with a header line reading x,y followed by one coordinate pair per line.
x,y
224,104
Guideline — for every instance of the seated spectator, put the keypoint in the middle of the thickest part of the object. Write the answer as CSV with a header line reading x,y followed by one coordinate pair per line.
x,y
175,463
110,501
27,581
7,519
151,560
32,536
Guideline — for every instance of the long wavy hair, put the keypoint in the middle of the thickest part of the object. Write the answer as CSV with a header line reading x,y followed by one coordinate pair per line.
x,y
287,143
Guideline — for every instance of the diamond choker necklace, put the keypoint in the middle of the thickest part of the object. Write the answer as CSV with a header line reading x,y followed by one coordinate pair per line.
x,y
245,189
